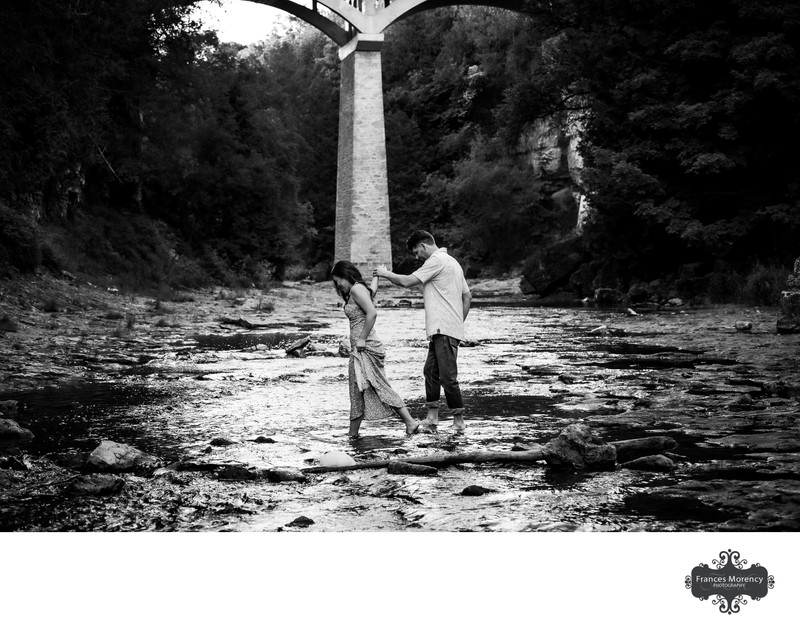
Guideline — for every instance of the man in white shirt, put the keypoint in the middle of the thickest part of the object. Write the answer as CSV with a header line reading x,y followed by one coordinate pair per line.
x,y
447,300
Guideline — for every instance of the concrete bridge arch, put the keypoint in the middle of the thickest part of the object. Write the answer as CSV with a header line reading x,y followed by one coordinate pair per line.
x,y
362,190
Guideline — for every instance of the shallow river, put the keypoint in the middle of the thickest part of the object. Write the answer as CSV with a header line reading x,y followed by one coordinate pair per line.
x,y
179,379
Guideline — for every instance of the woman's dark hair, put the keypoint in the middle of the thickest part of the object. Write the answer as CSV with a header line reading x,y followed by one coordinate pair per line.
x,y
417,237
347,270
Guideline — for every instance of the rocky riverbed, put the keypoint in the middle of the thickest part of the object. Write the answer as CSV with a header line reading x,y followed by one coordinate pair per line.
x,y
207,423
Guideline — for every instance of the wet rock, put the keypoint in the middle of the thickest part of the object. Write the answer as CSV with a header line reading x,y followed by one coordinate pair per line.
x,y
8,408
341,481
207,450
404,468
638,294
277,475
743,326
658,463
300,521
10,430
605,295
221,442
264,440
13,463
631,313
236,472
567,378
296,349
476,491
119,457
577,447
336,459
628,450
676,302
96,485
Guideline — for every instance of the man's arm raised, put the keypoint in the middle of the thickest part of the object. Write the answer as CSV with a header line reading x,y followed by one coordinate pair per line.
x,y
396,278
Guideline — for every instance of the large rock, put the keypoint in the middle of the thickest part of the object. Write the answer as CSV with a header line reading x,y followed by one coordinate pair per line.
x,y
113,456
577,447
336,459
552,267
655,463
10,430
789,317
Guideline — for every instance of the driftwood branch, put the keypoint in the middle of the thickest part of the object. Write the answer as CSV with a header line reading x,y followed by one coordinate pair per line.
x,y
242,322
446,459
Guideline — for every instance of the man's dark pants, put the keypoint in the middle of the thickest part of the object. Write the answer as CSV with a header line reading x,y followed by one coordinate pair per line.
x,y
441,371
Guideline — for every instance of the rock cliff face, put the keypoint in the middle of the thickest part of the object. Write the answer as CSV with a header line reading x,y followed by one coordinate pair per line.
x,y
552,148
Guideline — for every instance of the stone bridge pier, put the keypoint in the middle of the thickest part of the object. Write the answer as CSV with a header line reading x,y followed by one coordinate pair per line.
x,y
362,187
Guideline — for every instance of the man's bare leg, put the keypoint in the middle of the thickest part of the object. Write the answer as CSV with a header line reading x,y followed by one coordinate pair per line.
x,y
458,422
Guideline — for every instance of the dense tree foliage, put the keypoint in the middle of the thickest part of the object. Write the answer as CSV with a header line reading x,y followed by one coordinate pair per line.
x,y
690,114
126,112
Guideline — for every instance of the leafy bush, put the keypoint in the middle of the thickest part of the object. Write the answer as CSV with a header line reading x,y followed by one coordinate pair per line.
x,y
20,246
296,272
763,285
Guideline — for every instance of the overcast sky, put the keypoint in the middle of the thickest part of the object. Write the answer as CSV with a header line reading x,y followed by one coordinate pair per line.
x,y
239,21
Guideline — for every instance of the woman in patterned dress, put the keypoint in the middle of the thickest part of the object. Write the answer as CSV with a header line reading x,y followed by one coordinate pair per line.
x,y
371,396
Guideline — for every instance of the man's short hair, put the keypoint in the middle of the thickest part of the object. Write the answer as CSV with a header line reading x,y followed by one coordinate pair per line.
x,y
417,237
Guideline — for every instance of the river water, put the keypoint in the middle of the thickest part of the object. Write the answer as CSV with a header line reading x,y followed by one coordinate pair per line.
x,y
179,378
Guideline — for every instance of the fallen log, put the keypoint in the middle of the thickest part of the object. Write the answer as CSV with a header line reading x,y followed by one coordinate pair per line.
x,y
626,450
443,460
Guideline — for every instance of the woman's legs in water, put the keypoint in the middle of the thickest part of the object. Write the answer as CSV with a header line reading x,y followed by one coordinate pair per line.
x,y
355,425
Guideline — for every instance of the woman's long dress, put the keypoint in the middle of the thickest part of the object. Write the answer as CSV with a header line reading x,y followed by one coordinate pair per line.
x,y
371,396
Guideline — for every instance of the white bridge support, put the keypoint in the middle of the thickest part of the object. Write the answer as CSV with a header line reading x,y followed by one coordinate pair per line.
x,y
362,189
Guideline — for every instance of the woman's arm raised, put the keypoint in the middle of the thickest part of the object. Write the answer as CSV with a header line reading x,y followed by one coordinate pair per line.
x,y
361,297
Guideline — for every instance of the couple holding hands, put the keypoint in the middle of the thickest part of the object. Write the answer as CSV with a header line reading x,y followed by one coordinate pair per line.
x,y
447,301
